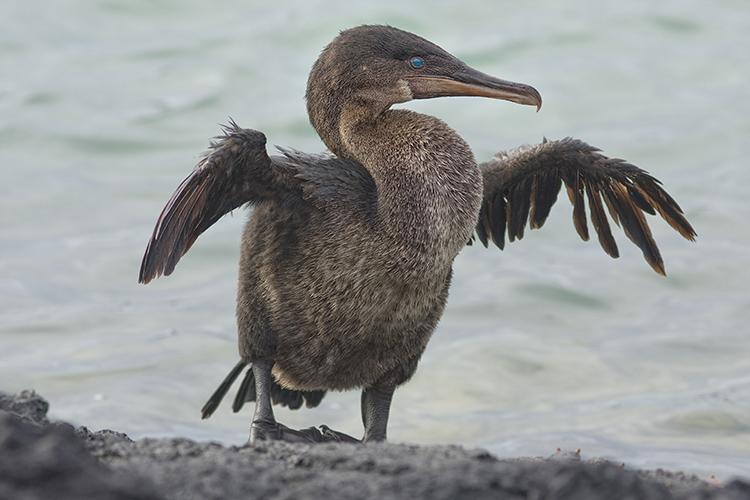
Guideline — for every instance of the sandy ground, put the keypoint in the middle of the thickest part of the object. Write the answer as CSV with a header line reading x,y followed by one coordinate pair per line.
x,y
41,460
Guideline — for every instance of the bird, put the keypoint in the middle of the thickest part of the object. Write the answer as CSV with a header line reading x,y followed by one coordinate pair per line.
x,y
346,257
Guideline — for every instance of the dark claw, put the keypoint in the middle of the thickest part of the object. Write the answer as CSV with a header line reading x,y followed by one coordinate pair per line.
x,y
331,435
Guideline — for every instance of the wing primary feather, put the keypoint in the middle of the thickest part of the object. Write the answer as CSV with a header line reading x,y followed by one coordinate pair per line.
x,y
599,221
547,189
610,206
535,185
665,205
575,194
483,225
497,218
519,203
640,201
635,226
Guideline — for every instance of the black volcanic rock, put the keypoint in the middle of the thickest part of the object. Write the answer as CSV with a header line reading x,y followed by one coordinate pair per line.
x,y
50,462
39,460
27,405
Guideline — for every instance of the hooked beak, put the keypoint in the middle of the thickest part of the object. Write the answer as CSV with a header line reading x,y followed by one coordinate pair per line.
x,y
470,82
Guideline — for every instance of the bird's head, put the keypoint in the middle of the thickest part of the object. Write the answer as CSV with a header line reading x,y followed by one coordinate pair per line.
x,y
378,66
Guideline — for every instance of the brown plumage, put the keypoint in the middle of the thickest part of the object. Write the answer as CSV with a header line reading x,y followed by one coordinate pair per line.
x,y
524,183
346,259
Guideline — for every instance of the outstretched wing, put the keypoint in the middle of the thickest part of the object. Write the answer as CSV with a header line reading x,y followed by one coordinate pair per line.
x,y
236,170
523,184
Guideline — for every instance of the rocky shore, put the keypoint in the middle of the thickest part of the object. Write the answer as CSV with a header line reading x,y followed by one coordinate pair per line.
x,y
51,460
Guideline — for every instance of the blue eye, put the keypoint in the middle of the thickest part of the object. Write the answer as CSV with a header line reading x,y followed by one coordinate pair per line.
x,y
416,62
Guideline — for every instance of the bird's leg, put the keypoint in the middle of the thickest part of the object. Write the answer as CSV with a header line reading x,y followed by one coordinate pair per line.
x,y
265,426
376,405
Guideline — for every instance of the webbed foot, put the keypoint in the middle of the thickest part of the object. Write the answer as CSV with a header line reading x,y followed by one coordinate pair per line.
x,y
264,430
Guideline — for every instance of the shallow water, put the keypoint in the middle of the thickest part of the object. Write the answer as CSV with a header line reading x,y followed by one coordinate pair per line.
x,y
105,106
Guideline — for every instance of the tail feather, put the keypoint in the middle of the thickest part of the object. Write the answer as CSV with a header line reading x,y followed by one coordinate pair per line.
x,y
246,393
213,402
313,398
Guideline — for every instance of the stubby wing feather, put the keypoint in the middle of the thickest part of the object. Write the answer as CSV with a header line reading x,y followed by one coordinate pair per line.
x,y
520,187
236,170
332,183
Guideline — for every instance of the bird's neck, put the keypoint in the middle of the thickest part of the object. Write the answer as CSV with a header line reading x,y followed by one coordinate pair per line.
x,y
429,187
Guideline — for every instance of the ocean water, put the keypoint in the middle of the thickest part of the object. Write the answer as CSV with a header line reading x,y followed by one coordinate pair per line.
x,y
106,105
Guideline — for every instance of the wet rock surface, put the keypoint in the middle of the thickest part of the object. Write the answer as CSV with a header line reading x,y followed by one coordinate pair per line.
x,y
39,460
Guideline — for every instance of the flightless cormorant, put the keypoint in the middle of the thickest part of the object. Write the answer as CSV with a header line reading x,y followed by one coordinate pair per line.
x,y
346,258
